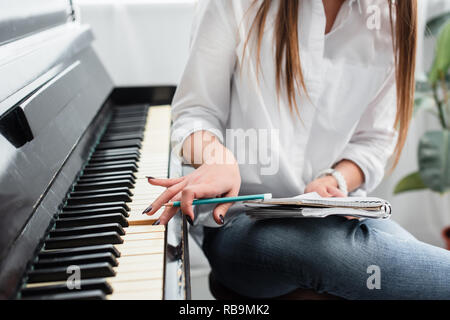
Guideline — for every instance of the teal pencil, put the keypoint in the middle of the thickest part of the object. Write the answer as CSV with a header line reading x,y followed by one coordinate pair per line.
x,y
223,200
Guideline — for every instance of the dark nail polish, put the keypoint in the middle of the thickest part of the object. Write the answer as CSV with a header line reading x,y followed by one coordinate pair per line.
x,y
149,208
157,222
148,177
222,220
189,220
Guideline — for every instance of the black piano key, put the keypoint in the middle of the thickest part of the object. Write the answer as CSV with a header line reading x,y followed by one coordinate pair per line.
x,y
77,207
106,178
100,191
96,198
76,260
111,174
116,152
79,250
91,220
87,271
123,183
51,289
108,227
125,129
83,240
134,121
110,168
131,108
72,295
117,120
119,144
92,212
111,163
95,159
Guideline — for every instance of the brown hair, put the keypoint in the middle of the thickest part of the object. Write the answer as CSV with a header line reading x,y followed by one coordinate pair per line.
x,y
288,67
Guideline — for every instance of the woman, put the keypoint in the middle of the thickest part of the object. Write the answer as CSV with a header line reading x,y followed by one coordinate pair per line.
x,y
319,87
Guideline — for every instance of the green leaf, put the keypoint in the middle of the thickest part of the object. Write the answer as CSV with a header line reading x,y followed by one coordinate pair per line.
x,y
435,24
434,160
411,182
442,58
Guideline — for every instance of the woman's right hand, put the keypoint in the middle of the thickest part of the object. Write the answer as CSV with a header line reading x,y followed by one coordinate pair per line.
x,y
211,179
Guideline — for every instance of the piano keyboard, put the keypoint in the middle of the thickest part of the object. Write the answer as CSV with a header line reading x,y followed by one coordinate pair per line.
x,y
101,229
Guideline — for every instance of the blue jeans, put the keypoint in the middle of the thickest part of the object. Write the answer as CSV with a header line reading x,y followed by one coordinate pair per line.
x,y
370,259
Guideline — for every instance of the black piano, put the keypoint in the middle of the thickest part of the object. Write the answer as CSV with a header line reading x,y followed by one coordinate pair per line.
x,y
74,153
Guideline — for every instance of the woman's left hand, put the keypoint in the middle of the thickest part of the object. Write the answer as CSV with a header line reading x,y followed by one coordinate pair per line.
x,y
326,187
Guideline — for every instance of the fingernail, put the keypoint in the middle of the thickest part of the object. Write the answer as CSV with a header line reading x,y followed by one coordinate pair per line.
x,y
149,208
157,222
148,177
222,220
189,220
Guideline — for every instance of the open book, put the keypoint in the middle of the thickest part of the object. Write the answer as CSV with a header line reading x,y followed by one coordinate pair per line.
x,y
312,205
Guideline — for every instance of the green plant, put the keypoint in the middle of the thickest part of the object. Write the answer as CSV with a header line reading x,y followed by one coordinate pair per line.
x,y
433,96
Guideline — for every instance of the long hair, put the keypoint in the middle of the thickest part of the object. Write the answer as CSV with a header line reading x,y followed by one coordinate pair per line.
x,y
403,19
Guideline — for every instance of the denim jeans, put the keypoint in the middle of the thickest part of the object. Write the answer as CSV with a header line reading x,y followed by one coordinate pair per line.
x,y
352,259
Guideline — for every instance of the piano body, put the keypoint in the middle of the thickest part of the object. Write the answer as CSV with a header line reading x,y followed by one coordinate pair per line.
x,y
74,155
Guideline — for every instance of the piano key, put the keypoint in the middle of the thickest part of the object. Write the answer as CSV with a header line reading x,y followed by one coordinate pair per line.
x,y
76,260
110,163
125,129
91,212
92,177
95,159
79,251
108,178
108,227
140,119
87,271
83,240
121,183
101,191
61,287
77,207
92,220
119,144
115,152
96,198
75,295
110,168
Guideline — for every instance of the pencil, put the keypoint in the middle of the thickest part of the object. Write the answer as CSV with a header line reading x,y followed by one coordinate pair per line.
x,y
223,200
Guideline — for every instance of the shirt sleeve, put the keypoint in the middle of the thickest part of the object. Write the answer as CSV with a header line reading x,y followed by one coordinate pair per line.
x,y
374,139
202,99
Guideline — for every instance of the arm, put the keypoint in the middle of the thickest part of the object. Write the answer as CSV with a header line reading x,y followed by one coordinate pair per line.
x,y
199,112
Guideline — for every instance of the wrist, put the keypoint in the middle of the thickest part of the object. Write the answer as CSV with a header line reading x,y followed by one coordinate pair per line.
x,y
337,177
330,181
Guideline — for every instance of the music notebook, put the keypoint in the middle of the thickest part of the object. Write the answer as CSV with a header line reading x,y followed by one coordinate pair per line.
x,y
312,205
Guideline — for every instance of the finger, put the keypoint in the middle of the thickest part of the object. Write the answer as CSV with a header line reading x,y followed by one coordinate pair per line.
x,y
323,193
335,192
168,214
194,192
165,197
221,209
165,182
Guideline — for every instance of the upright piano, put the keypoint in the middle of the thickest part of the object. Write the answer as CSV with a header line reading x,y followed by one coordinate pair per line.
x,y
74,154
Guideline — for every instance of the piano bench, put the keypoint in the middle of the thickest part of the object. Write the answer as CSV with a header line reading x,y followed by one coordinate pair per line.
x,y
220,292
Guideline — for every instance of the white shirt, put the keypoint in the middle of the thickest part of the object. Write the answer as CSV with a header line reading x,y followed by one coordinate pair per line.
x,y
349,74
